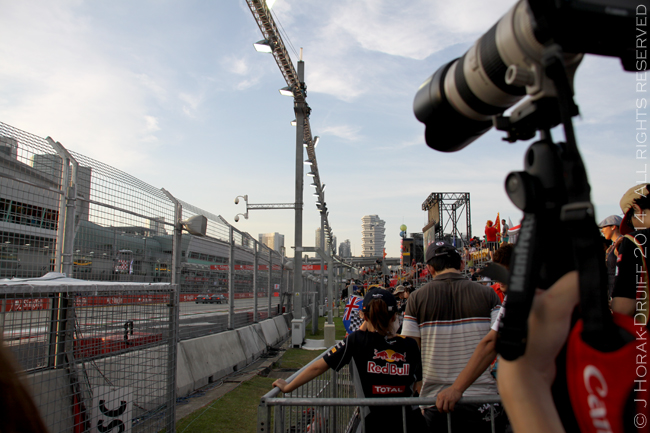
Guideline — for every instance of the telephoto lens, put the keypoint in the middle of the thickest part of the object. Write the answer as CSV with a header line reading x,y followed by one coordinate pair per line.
x,y
458,101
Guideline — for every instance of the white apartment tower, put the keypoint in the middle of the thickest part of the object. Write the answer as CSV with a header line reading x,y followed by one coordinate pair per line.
x,y
372,236
275,241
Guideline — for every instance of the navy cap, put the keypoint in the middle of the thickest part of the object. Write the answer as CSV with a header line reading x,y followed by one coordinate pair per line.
x,y
437,249
382,294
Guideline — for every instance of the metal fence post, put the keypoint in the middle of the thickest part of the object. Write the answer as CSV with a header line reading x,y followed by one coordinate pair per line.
x,y
255,264
60,232
174,312
314,308
231,282
68,242
66,228
263,418
174,325
270,280
177,243
278,419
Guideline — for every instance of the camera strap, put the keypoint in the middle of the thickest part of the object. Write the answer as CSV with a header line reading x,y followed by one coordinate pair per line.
x,y
578,217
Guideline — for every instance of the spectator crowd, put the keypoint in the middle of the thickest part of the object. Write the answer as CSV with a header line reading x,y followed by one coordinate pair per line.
x,y
431,330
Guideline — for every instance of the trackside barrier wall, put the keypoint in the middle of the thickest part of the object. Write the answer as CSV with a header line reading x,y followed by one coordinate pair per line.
x,y
206,359
329,404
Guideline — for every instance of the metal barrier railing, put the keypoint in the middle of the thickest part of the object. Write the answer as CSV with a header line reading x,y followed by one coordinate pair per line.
x,y
328,404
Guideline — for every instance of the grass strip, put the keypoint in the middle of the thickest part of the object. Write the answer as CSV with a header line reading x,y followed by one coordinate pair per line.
x,y
236,411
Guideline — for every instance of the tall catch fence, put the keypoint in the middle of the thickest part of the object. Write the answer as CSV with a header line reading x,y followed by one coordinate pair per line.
x,y
61,211
144,284
330,404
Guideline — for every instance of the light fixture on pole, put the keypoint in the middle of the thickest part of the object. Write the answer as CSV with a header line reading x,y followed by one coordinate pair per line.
x,y
286,91
316,140
293,122
308,162
311,174
263,46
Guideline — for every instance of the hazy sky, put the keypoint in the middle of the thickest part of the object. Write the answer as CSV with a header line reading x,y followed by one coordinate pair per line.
x,y
173,93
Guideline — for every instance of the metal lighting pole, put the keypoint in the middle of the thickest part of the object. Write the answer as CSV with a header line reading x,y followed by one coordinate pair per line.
x,y
300,137
272,43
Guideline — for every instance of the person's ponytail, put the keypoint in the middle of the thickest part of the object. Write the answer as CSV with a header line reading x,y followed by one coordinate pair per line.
x,y
378,315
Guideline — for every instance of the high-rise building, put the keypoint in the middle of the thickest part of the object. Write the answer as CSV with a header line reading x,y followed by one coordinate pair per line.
x,y
345,250
327,248
372,236
275,241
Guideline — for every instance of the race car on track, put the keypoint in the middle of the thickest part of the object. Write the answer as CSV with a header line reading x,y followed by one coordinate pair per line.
x,y
210,298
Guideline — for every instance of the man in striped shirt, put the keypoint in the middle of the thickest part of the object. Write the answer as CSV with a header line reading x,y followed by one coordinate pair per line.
x,y
448,317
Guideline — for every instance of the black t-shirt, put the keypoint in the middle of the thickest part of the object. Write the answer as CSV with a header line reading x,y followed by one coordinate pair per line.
x,y
630,273
388,367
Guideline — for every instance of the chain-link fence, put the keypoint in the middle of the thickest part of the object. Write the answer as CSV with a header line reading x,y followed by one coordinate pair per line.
x,y
95,355
61,211
64,213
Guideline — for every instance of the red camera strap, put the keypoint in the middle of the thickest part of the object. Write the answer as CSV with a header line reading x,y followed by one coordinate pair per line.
x,y
609,390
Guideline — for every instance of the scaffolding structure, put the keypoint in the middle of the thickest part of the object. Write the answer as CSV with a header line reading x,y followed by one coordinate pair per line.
x,y
446,211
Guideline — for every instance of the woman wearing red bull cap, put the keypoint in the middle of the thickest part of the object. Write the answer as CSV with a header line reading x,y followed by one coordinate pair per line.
x,y
387,365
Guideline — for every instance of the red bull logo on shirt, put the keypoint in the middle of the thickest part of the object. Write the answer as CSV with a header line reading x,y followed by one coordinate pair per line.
x,y
389,355
390,369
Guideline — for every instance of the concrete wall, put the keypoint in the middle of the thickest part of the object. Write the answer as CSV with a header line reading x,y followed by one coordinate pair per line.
x,y
207,359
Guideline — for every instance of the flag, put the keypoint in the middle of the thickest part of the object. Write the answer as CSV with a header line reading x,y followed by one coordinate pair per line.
x,y
351,318
497,225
